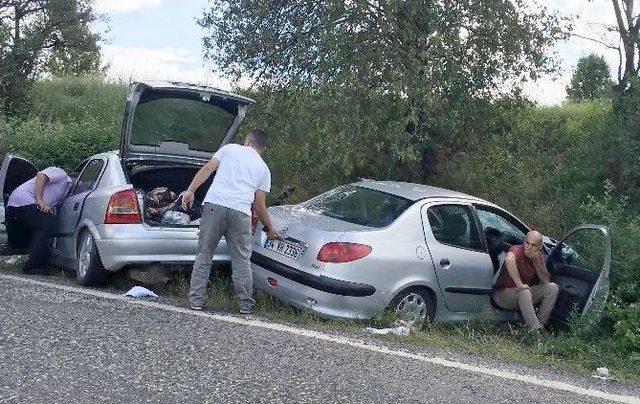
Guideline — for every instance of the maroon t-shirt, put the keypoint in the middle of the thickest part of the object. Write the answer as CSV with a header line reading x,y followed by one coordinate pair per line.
x,y
527,271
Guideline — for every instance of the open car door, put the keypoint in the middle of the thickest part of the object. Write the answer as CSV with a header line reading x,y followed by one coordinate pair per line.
x,y
14,171
580,264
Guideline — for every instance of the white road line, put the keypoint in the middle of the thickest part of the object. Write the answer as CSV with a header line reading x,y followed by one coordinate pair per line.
x,y
344,341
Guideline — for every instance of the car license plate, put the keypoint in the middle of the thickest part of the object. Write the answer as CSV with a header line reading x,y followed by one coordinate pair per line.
x,y
290,250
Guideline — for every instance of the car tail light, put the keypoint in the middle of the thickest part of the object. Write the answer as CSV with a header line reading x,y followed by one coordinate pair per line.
x,y
343,252
123,208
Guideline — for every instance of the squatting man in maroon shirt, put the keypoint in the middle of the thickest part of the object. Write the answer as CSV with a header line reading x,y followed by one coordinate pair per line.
x,y
527,282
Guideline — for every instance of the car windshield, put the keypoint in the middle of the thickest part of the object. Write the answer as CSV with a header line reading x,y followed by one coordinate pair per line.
x,y
363,206
199,124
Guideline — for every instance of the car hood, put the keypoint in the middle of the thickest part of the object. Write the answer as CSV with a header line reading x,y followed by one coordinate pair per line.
x,y
178,122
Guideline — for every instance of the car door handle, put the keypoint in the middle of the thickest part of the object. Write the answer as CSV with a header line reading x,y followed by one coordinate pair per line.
x,y
76,205
445,263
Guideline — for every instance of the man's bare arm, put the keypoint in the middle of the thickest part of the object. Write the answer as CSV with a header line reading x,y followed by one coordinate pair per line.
x,y
541,269
512,268
263,215
200,177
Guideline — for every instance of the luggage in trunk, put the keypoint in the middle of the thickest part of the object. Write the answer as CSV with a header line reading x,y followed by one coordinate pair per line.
x,y
161,187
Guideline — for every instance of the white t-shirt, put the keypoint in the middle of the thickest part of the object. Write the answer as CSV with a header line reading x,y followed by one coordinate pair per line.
x,y
240,174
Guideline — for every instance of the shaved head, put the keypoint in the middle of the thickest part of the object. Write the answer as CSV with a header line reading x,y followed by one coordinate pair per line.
x,y
534,236
532,243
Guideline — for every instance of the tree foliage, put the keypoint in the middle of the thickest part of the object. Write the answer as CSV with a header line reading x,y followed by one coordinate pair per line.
x,y
43,35
444,48
590,80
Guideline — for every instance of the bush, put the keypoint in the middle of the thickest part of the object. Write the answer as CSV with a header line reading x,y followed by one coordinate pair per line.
x,y
71,119
542,167
623,308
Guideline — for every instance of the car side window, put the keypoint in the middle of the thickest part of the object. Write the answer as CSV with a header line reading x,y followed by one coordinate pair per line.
x,y
88,177
454,225
490,219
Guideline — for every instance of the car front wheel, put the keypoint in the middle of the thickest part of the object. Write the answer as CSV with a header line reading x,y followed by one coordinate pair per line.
x,y
414,305
90,271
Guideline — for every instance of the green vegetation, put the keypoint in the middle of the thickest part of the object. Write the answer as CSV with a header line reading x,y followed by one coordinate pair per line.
x,y
590,80
36,38
70,119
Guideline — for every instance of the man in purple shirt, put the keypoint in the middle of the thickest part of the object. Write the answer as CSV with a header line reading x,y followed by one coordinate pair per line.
x,y
29,215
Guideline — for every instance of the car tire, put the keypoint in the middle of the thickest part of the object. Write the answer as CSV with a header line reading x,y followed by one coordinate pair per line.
x,y
415,305
89,270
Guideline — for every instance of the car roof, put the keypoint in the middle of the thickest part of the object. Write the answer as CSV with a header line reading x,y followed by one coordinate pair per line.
x,y
165,84
413,191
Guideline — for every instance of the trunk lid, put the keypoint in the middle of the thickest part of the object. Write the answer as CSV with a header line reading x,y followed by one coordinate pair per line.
x,y
306,228
178,122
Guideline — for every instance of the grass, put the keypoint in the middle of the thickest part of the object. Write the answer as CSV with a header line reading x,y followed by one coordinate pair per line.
x,y
579,350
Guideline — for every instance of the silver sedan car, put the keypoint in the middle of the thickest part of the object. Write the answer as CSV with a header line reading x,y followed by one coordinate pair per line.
x,y
427,253
169,131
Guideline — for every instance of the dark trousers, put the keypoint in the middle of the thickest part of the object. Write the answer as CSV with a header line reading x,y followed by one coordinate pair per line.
x,y
28,227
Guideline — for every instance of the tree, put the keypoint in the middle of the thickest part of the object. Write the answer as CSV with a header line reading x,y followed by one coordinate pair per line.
x,y
444,48
43,35
590,80
443,61
628,28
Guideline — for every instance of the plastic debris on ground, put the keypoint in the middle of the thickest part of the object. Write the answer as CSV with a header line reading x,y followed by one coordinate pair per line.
x,y
602,373
13,259
400,330
139,291
401,327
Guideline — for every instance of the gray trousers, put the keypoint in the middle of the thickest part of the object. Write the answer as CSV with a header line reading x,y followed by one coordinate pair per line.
x,y
218,221
544,294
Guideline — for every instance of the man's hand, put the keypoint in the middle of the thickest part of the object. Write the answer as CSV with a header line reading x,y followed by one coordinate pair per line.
x,y
187,199
43,206
541,268
523,287
273,234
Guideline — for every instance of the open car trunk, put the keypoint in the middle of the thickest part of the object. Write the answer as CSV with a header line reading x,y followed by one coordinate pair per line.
x,y
169,131
176,178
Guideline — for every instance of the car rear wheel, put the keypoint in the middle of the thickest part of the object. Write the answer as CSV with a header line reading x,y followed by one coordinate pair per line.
x,y
416,306
90,271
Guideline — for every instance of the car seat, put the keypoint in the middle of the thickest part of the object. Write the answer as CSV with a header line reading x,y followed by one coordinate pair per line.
x,y
454,231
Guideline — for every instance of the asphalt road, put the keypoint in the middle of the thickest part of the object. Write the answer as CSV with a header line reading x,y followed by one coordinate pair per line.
x,y
61,346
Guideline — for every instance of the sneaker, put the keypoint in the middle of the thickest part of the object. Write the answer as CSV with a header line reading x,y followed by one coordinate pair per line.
x,y
246,308
196,307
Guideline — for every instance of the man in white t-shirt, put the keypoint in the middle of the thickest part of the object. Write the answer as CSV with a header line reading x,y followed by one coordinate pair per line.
x,y
241,178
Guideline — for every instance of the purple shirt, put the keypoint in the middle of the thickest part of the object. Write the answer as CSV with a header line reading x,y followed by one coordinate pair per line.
x,y
53,192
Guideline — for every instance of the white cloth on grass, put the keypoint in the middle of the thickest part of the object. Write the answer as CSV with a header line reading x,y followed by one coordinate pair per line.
x,y
139,291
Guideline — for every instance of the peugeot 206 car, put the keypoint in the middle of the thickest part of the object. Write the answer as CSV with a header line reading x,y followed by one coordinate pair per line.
x,y
170,130
428,254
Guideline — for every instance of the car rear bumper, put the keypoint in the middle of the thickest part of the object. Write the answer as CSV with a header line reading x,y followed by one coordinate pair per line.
x,y
325,296
121,245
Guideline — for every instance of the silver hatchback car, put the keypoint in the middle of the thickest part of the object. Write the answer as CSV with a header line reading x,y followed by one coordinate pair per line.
x,y
169,131
427,253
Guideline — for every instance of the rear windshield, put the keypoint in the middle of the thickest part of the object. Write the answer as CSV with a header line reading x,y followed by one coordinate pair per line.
x,y
359,205
199,124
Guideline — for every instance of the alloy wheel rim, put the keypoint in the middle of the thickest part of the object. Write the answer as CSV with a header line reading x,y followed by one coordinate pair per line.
x,y
84,257
413,309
